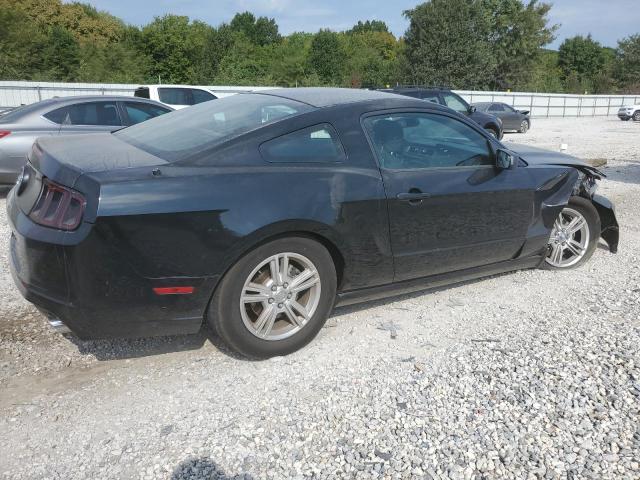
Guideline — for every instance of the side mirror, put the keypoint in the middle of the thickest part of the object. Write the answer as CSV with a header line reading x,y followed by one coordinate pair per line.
x,y
472,109
504,160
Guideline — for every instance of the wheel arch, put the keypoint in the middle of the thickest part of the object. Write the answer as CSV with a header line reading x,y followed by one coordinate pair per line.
x,y
316,231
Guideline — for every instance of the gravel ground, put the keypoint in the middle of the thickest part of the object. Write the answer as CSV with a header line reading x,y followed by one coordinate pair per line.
x,y
534,374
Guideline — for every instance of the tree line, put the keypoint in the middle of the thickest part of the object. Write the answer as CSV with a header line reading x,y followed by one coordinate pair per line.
x,y
464,44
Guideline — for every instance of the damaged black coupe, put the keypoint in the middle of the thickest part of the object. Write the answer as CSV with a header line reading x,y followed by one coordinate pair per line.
x,y
258,213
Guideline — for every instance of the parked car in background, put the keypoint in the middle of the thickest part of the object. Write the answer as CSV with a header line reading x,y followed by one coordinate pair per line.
x,y
181,96
259,212
446,97
63,116
629,112
512,119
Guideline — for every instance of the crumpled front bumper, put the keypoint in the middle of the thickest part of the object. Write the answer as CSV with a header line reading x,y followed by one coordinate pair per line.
x,y
610,231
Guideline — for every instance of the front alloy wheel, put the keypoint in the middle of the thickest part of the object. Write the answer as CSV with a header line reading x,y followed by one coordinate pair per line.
x,y
574,235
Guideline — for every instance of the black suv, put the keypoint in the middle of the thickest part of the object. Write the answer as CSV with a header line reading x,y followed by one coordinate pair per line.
x,y
446,97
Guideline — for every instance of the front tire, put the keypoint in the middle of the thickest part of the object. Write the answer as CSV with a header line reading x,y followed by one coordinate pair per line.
x,y
275,299
636,116
574,236
493,132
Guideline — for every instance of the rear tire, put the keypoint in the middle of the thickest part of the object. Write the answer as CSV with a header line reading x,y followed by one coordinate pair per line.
x,y
264,305
574,236
524,127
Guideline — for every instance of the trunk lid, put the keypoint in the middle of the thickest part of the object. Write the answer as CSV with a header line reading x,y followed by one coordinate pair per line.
x,y
65,159
71,160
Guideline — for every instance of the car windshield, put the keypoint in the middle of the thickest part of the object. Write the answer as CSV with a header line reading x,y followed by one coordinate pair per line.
x,y
181,134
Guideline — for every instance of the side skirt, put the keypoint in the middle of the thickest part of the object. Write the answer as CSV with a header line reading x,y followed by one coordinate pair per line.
x,y
425,283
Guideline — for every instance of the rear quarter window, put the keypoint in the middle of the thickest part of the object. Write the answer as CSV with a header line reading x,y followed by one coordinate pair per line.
x,y
56,116
317,144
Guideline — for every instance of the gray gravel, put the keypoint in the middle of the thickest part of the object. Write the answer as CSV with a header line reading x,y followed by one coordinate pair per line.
x,y
534,374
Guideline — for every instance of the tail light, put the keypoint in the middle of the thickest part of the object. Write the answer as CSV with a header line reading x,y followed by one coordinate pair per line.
x,y
4,133
58,207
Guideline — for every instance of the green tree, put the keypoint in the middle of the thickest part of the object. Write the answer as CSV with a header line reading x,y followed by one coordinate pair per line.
x,y
518,33
245,64
476,43
61,55
326,56
261,31
627,66
175,46
372,59
448,43
545,74
289,66
84,22
21,45
581,60
369,26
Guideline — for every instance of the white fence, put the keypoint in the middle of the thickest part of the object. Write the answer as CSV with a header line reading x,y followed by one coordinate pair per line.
x,y
556,104
15,93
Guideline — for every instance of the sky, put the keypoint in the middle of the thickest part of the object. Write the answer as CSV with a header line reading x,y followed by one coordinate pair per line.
x,y
607,21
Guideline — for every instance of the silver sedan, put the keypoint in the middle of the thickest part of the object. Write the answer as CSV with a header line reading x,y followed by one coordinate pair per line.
x,y
63,116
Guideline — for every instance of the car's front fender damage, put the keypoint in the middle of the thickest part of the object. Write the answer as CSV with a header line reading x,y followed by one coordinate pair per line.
x,y
586,187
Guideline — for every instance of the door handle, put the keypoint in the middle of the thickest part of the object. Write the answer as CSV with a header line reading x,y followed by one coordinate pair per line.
x,y
413,196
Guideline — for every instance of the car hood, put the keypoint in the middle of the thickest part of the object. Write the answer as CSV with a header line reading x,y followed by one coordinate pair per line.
x,y
541,156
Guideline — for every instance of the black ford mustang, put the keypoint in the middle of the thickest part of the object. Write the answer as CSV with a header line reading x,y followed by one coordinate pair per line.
x,y
259,212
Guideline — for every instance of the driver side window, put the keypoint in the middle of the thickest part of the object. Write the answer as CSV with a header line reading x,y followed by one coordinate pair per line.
x,y
426,140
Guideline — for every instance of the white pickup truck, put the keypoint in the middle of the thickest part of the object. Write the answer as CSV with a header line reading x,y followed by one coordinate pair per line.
x,y
180,96
629,111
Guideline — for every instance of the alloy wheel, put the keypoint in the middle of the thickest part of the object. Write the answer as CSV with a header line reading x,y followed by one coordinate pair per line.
x,y
524,126
280,296
569,239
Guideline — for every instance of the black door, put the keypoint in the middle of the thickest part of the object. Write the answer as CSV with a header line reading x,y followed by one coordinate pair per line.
x,y
449,207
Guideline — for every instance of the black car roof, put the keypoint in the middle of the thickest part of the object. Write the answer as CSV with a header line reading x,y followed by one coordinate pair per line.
x,y
327,97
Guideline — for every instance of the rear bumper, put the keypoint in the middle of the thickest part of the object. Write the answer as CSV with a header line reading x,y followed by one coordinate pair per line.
x,y
92,291
8,178
10,167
